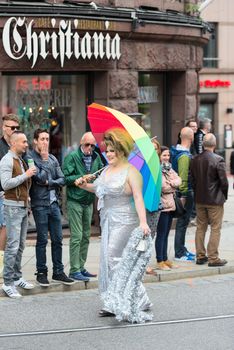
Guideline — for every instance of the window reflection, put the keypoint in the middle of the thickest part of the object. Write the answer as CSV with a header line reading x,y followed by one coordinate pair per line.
x,y
48,101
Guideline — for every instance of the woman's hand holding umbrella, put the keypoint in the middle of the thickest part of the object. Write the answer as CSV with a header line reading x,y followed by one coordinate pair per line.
x,y
82,181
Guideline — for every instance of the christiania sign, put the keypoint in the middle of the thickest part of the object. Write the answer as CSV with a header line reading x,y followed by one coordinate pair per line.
x,y
63,41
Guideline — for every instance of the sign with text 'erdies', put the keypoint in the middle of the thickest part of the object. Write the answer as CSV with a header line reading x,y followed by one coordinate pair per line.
x,y
20,39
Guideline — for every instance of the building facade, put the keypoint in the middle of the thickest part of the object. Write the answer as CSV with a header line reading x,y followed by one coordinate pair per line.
x,y
217,76
139,56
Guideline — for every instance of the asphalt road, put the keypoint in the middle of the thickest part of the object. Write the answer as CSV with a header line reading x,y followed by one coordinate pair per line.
x,y
195,314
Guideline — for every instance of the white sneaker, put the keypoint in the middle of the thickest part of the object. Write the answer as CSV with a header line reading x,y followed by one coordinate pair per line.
x,y
187,258
11,291
23,284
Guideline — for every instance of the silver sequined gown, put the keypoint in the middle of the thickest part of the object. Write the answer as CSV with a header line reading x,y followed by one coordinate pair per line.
x,y
121,265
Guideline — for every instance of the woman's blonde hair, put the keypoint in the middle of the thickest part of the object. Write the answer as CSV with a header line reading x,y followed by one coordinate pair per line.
x,y
157,144
120,140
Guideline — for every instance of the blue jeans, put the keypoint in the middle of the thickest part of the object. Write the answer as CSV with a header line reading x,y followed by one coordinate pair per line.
x,y
48,219
182,225
163,229
16,229
2,219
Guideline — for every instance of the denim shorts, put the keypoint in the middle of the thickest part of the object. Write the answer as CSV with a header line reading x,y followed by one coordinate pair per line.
x,y
2,218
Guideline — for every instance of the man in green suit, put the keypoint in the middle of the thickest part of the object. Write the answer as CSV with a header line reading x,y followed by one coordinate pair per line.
x,y
77,164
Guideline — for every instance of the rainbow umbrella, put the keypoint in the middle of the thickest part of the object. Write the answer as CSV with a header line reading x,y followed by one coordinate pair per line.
x,y
144,157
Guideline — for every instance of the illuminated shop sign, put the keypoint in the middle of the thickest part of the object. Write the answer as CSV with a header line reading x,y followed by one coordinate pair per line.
x,y
61,43
35,92
33,84
215,83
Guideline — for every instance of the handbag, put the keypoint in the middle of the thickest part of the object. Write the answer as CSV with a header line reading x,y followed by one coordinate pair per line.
x,y
180,209
142,245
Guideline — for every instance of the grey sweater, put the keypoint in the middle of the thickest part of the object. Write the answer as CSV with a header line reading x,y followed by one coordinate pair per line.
x,y
7,181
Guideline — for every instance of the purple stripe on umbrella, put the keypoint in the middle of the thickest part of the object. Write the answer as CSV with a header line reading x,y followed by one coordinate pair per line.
x,y
137,162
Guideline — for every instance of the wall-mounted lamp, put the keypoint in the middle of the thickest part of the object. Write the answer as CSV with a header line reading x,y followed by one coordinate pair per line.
x,y
136,22
229,110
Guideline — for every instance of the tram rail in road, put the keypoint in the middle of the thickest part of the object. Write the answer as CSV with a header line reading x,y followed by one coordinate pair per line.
x,y
101,328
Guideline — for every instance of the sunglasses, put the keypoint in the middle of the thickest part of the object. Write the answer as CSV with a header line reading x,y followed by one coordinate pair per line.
x,y
13,127
90,145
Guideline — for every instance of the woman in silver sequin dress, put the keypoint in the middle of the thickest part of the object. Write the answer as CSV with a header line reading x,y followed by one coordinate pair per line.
x,y
123,224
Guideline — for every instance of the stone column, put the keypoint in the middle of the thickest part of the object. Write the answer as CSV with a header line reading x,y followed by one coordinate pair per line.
x,y
123,90
176,103
191,101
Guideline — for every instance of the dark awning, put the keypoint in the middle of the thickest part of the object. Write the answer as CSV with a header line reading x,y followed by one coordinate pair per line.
x,y
92,11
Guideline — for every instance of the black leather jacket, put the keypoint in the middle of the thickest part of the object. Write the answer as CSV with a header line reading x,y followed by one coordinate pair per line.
x,y
47,172
209,179
4,147
198,138
232,163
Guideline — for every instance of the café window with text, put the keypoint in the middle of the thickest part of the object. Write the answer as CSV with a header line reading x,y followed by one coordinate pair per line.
x,y
51,102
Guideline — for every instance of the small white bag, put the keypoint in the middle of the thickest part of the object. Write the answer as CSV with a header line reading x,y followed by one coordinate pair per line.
x,y
142,245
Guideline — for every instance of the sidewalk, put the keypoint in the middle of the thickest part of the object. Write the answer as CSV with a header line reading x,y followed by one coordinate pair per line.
x,y
186,270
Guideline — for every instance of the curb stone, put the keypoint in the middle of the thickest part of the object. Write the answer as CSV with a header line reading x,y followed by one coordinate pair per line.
x,y
163,276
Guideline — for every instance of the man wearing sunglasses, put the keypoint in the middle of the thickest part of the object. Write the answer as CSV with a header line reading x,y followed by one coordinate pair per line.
x,y
10,123
77,164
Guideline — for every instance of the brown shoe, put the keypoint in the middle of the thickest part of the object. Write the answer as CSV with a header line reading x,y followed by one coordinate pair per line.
x,y
162,266
202,261
171,265
150,271
219,262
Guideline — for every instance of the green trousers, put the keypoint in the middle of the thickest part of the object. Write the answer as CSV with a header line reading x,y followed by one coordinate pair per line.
x,y
79,217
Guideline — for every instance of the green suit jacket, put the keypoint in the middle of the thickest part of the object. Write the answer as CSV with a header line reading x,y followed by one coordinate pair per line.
x,y
73,168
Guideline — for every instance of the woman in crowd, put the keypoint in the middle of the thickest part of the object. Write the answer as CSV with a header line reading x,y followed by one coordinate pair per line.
x,y
123,224
170,181
156,145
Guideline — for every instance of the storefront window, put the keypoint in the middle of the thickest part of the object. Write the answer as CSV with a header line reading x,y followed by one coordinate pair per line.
x,y
206,110
207,106
210,59
55,102
150,103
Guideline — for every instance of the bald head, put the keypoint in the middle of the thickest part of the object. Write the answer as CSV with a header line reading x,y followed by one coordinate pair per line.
x,y
19,142
15,136
87,138
186,134
209,141
88,143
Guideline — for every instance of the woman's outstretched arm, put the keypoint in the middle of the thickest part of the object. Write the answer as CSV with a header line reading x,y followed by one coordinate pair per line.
x,y
82,182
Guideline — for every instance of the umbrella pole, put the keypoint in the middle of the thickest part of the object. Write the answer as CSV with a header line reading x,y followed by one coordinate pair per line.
x,y
99,171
